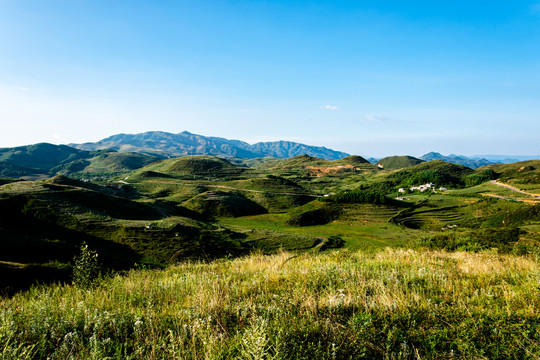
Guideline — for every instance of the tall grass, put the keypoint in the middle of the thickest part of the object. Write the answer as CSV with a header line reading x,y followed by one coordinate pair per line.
x,y
392,304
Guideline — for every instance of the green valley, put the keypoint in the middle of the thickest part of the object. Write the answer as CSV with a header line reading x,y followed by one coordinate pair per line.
x,y
194,215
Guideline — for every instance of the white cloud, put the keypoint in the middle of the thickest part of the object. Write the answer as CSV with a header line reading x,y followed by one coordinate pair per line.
x,y
377,118
329,107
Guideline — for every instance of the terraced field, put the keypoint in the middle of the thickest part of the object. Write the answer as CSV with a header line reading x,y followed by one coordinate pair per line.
x,y
360,226
368,214
431,218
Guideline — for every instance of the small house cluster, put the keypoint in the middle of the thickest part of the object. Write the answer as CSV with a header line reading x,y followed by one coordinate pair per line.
x,y
422,188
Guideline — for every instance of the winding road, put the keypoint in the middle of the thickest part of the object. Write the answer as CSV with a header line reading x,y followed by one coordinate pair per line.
x,y
514,189
510,187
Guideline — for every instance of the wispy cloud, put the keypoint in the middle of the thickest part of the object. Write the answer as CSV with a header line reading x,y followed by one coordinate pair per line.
x,y
377,118
329,107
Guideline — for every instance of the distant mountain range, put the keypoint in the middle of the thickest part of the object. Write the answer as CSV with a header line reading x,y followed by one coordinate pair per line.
x,y
506,159
394,162
122,153
170,145
457,159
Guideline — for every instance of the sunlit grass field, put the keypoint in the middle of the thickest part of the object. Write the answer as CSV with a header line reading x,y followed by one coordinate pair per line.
x,y
276,290
362,226
345,304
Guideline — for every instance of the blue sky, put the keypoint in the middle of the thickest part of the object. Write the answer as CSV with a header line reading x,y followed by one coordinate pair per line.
x,y
373,78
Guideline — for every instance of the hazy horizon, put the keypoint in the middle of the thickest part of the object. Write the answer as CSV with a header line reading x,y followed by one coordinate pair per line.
x,y
519,157
359,77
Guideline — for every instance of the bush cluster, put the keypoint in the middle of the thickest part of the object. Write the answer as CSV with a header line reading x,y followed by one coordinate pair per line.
x,y
359,197
318,216
502,239
282,181
479,178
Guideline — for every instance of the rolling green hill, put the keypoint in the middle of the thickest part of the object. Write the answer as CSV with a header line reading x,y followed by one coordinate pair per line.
x,y
350,163
200,165
116,163
251,162
223,204
522,172
398,162
44,223
301,258
437,171
48,160
203,207
41,156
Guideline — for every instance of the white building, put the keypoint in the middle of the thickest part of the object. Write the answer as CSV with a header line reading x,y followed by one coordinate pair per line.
x,y
423,188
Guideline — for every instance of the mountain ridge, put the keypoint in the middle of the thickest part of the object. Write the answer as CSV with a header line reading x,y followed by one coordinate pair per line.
x,y
458,159
167,144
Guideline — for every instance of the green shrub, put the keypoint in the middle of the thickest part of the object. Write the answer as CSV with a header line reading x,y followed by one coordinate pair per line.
x,y
316,215
86,270
333,242
359,197
282,181
503,239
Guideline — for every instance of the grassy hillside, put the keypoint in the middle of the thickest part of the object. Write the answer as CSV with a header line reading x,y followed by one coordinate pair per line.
x,y
439,172
391,304
223,204
430,275
150,222
398,162
202,207
4,181
354,160
113,163
198,166
306,160
523,172
41,156
49,160
44,223
251,162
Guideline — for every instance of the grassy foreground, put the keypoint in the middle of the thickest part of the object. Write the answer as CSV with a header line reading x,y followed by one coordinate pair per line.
x,y
390,304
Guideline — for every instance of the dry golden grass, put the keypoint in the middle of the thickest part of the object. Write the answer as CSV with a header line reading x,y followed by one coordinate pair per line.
x,y
285,305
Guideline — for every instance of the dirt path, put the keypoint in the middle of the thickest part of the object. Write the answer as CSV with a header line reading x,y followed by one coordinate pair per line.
x,y
513,188
510,187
